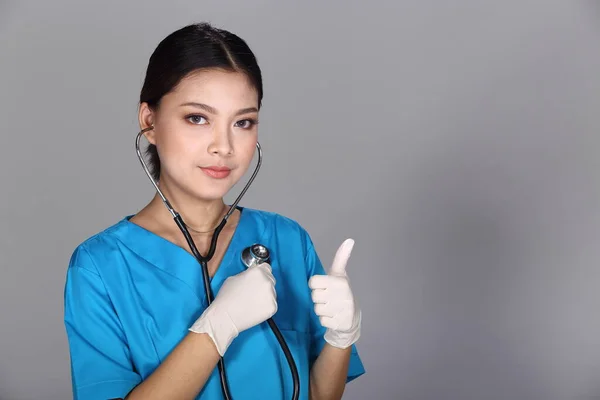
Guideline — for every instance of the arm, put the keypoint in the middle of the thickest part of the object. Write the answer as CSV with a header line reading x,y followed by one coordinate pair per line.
x,y
329,372
183,373
101,363
335,326
100,359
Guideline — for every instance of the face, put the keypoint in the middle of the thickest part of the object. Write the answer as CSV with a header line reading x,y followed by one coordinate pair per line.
x,y
205,131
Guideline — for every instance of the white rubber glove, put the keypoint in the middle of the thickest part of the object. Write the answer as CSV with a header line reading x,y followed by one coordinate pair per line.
x,y
335,305
244,300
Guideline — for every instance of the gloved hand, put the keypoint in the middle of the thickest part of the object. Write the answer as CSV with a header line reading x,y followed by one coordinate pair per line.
x,y
244,300
335,305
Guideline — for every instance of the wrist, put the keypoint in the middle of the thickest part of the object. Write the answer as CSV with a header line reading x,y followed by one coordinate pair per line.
x,y
202,342
341,340
344,339
219,328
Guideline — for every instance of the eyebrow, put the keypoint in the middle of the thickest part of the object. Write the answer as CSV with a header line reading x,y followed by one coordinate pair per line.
x,y
213,110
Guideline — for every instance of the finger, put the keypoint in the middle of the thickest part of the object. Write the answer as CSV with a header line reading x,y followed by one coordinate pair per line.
x,y
328,322
338,267
319,282
265,266
266,270
322,310
319,296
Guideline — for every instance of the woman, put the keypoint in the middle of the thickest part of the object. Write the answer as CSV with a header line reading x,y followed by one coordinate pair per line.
x,y
136,315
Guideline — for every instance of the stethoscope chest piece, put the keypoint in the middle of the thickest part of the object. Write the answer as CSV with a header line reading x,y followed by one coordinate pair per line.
x,y
255,255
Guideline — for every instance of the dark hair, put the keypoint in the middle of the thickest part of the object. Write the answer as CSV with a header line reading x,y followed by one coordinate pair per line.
x,y
187,50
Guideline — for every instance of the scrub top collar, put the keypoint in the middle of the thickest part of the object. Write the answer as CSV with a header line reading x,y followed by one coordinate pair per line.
x,y
181,264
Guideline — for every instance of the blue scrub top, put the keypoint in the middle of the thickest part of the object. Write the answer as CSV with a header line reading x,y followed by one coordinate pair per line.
x,y
131,295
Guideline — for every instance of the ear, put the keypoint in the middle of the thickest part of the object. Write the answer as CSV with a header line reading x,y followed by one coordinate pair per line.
x,y
146,119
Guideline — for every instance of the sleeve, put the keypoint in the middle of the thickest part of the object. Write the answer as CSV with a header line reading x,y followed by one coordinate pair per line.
x,y
315,267
101,366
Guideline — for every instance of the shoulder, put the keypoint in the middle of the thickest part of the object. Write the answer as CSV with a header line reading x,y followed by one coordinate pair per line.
x,y
277,226
88,252
275,222
282,232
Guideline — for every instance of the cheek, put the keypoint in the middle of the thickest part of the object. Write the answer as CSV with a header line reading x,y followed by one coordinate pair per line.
x,y
176,149
248,151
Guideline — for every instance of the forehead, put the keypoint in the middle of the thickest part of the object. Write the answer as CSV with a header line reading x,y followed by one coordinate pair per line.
x,y
217,88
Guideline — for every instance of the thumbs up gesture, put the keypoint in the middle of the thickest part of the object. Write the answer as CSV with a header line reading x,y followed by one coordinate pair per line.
x,y
334,303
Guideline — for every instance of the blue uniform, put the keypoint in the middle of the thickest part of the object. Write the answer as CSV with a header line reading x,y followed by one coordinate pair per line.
x,y
131,295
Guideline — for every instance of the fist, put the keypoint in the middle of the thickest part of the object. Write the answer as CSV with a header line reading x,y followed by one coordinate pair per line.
x,y
244,300
249,297
334,302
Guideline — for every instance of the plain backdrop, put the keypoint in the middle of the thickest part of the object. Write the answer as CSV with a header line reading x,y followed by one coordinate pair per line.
x,y
457,142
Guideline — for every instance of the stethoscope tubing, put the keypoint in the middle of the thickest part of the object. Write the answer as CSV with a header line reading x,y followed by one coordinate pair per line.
x,y
203,261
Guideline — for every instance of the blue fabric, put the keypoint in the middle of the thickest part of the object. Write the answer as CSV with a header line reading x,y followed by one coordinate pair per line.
x,y
130,297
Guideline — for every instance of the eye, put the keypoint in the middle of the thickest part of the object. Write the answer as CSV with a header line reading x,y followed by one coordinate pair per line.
x,y
246,123
196,119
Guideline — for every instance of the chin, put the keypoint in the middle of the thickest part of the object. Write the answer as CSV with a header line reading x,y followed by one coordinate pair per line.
x,y
208,193
207,189
211,192
209,197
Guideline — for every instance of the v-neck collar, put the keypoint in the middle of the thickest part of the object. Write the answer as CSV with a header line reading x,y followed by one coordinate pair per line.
x,y
178,262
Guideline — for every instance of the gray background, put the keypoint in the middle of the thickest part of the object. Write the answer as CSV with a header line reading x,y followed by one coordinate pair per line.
x,y
457,142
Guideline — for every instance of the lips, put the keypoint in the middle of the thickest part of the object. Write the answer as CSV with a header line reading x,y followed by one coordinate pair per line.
x,y
216,171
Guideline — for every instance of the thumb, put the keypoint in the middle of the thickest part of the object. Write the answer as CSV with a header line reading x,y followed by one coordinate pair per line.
x,y
338,267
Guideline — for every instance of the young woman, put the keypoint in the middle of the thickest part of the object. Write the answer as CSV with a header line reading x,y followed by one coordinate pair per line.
x,y
137,318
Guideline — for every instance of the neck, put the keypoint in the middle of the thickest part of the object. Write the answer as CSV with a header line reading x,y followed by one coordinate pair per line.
x,y
198,215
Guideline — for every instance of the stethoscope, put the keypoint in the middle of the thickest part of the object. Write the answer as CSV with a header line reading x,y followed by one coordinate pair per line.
x,y
253,255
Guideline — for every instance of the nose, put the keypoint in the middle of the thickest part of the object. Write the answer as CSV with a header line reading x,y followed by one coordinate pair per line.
x,y
221,143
